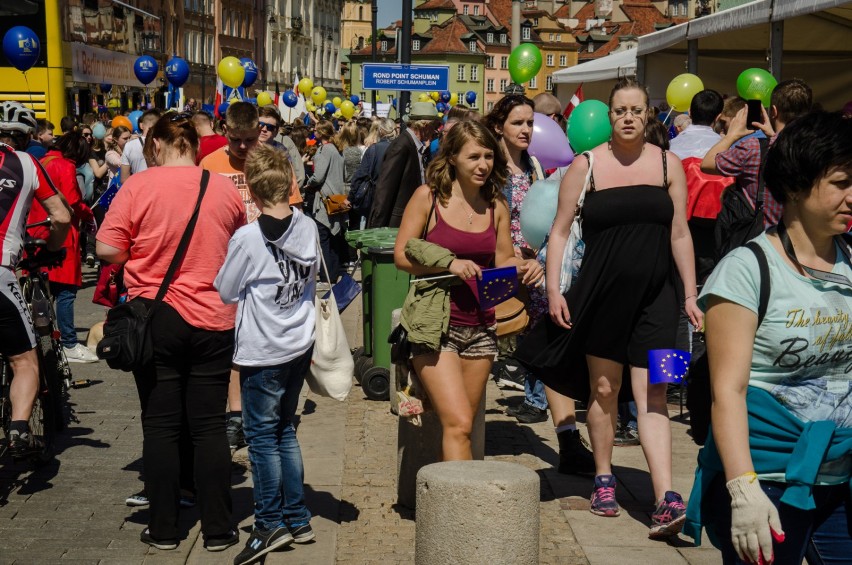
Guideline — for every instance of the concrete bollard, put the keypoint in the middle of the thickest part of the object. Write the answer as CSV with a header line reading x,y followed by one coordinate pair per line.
x,y
418,446
477,512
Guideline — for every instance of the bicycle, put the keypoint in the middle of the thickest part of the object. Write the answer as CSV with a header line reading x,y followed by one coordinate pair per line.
x,y
47,418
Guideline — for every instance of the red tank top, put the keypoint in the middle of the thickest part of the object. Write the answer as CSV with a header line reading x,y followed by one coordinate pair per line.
x,y
477,247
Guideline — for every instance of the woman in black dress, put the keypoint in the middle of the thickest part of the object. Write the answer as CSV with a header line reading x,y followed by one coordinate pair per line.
x,y
624,301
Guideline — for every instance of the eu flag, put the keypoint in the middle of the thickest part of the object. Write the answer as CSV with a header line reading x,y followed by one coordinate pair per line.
x,y
496,286
667,365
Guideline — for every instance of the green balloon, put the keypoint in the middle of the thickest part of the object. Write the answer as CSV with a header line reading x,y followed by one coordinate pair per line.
x,y
524,63
589,125
756,84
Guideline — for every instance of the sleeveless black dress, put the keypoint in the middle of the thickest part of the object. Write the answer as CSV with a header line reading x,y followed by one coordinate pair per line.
x,y
623,302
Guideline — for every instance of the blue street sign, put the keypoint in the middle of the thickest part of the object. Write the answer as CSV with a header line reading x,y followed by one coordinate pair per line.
x,y
406,77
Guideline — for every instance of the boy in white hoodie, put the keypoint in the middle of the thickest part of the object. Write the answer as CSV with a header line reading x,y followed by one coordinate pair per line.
x,y
271,271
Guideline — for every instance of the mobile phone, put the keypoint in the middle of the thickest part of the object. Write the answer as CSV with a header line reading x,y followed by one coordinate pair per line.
x,y
755,113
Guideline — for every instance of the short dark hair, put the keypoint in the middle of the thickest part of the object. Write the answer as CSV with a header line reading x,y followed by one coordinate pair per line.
x,y
241,116
42,126
805,150
269,111
67,123
792,98
705,107
500,113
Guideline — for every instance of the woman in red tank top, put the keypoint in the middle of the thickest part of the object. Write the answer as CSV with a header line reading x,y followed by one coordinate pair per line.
x,y
470,219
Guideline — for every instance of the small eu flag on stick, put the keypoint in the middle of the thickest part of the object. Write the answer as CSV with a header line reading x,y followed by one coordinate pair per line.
x,y
667,365
496,286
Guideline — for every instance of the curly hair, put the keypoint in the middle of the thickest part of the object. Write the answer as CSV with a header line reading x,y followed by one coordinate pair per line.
x,y
441,173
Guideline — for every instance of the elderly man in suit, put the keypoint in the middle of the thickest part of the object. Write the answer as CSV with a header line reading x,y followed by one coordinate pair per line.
x,y
404,166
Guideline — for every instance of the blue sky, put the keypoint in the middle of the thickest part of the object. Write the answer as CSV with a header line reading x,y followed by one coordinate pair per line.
x,y
389,12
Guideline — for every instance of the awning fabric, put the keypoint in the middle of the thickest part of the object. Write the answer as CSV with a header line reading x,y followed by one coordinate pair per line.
x,y
662,39
732,19
622,63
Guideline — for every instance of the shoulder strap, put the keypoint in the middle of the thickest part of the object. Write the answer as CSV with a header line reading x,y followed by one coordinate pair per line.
x,y
665,171
48,159
761,183
763,267
588,184
184,241
429,217
537,170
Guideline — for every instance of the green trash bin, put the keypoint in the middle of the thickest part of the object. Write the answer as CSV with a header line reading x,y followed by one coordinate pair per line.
x,y
362,240
390,287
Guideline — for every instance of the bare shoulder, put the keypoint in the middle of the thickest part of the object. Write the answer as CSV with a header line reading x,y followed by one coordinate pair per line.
x,y
423,195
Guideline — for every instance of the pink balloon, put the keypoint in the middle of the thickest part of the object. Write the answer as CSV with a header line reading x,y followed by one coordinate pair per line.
x,y
549,143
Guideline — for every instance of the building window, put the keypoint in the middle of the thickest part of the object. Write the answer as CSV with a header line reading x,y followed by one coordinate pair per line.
x,y
489,61
558,37
384,45
504,62
591,47
548,83
460,73
465,10
489,85
472,46
490,37
534,82
434,16
360,13
503,84
490,106
503,38
474,73
525,33
535,22
476,10
563,60
550,60
415,45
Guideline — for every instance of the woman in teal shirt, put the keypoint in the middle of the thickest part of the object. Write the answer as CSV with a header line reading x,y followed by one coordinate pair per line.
x,y
782,391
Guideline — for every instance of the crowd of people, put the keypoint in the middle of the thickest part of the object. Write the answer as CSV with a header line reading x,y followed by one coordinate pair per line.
x,y
650,201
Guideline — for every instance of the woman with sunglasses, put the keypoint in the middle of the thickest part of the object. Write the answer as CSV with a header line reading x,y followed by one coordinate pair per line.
x,y
775,471
93,169
192,331
624,302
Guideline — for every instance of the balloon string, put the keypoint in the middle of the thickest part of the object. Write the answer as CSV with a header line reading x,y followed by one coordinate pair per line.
x,y
669,114
29,90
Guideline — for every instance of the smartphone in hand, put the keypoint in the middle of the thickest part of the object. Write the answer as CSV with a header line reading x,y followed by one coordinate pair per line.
x,y
755,113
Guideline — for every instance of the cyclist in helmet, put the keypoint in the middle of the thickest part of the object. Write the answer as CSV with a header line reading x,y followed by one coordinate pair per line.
x,y
21,179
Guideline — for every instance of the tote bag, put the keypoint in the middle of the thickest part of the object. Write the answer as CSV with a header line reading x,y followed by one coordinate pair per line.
x,y
332,366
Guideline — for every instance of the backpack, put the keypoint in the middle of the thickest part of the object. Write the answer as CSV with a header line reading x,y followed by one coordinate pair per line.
x,y
740,220
698,399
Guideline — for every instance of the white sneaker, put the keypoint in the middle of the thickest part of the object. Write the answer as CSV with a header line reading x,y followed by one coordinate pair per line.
x,y
80,354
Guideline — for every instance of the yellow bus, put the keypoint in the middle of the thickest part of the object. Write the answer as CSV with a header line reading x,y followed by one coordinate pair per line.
x,y
43,86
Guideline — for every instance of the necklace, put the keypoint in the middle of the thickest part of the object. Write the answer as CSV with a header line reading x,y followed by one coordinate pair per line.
x,y
470,214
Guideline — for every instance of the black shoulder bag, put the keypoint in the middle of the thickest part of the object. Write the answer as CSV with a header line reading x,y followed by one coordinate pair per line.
x,y
126,344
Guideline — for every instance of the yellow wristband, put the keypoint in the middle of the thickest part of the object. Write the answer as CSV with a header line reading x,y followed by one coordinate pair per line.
x,y
751,475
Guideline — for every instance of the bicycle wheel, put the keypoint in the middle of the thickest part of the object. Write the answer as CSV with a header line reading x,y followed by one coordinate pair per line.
x,y
5,404
46,418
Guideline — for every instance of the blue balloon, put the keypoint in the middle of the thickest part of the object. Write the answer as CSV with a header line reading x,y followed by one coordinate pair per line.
x,y
441,107
223,108
445,96
538,211
330,108
251,71
355,99
470,97
134,119
145,68
290,99
105,88
22,47
177,71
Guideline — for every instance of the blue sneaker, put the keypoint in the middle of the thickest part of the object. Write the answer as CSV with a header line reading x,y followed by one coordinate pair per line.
x,y
302,533
603,499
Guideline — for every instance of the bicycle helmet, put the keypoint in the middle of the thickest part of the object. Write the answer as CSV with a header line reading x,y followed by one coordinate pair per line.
x,y
14,116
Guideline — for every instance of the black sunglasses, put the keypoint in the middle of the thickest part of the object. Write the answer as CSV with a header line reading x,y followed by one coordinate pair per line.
x,y
267,127
181,116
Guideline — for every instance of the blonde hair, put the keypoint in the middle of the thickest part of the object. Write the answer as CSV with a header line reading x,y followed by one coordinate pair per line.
x,y
382,128
441,172
269,174
324,131
349,136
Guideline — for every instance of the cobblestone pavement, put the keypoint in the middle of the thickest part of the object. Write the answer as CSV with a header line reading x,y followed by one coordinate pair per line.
x,y
74,510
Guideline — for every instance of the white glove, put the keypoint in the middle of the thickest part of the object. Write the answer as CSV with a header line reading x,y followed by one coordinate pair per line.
x,y
754,520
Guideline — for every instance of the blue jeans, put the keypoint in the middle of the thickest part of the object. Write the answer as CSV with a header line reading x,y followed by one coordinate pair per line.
x,y
270,397
534,392
65,294
821,536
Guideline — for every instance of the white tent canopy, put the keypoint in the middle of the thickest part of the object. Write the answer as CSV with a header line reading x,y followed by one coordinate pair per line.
x,y
622,63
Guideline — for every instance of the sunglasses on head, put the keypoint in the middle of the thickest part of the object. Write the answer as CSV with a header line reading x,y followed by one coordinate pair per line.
x,y
181,116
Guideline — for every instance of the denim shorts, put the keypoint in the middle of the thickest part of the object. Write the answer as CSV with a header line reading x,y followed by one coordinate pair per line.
x,y
468,342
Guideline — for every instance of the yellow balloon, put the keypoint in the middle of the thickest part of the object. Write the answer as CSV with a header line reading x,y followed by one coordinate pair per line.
x,y
318,95
454,99
305,86
440,114
424,98
263,99
436,96
347,108
337,113
336,101
310,107
231,72
681,90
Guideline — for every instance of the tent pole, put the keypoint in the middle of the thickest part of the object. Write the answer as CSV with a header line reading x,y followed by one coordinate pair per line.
x,y
640,69
776,46
692,56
